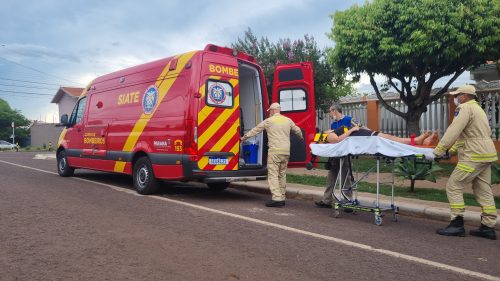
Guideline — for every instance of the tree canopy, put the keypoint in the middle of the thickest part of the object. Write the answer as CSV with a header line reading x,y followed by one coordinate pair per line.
x,y
415,43
328,86
7,116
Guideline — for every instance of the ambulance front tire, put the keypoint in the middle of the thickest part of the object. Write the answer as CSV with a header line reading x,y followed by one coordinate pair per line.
x,y
218,186
144,179
63,168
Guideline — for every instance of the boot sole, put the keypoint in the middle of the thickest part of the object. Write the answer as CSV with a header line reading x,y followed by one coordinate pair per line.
x,y
482,236
449,234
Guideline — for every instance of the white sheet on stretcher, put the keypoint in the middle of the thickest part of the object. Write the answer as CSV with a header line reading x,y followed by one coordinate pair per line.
x,y
366,145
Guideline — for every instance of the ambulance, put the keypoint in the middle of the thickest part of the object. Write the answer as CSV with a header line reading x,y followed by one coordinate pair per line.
x,y
181,119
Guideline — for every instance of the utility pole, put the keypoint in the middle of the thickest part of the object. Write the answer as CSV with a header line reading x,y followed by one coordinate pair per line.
x,y
13,133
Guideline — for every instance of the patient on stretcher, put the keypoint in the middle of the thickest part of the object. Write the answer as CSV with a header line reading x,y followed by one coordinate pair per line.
x,y
337,135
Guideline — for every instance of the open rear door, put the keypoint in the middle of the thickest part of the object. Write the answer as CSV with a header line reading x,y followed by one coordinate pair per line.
x,y
293,88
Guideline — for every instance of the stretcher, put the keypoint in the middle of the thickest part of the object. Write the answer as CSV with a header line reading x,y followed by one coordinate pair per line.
x,y
348,151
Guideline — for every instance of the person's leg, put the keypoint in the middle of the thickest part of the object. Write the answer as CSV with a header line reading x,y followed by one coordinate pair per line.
x,y
273,166
459,178
282,174
481,185
418,140
326,201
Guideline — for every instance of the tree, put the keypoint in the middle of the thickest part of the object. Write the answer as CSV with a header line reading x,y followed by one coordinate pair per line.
x,y
415,43
328,86
7,116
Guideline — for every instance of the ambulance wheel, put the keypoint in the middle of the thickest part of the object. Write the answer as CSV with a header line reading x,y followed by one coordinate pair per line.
x,y
218,186
63,167
144,178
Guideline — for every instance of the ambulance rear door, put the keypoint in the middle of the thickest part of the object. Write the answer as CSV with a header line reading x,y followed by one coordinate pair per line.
x,y
293,89
219,114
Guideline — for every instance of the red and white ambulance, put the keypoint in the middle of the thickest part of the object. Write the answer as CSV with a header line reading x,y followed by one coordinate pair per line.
x,y
181,118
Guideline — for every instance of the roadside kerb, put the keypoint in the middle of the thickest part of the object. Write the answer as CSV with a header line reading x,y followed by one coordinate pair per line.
x,y
408,207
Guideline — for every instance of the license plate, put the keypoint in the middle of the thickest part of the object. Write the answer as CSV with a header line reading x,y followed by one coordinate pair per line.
x,y
218,161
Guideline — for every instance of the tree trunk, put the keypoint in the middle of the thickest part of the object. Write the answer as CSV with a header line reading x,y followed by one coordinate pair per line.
x,y
412,185
413,121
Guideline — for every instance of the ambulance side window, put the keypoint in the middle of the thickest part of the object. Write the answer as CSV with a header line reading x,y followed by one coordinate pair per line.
x,y
219,94
293,100
77,114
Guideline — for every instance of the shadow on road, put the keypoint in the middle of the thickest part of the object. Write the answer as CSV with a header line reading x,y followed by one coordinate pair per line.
x,y
194,190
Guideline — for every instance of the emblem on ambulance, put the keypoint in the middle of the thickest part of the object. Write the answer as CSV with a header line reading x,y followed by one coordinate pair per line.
x,y
150,99
217,94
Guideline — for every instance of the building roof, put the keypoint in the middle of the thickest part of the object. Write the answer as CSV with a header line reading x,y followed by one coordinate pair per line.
x,y
70,91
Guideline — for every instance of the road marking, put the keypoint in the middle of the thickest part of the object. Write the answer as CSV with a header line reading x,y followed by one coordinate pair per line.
x,y
291,229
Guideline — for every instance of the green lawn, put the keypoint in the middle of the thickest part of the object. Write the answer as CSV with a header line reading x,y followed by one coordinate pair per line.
x,y
428,194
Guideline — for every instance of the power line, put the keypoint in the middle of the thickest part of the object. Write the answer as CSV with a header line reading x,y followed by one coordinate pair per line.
x,y
27,86
21,96
27,93
34,69
33,82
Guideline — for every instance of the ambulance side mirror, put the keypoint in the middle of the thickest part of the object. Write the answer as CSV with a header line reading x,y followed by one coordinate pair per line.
x,y
64,120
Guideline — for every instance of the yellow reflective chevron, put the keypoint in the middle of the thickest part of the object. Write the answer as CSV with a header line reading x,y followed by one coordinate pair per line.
x,y
163,88
465,168
61,137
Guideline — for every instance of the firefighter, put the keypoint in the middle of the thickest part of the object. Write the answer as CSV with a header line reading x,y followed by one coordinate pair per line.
x,y
278,129
469,136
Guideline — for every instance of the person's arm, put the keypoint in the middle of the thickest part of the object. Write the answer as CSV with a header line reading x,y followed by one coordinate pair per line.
x,y
334,138
296,130
256,130
454,130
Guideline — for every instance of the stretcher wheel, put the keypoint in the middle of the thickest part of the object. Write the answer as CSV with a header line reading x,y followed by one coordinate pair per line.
x,y
395,217
309,165
336,213
378,220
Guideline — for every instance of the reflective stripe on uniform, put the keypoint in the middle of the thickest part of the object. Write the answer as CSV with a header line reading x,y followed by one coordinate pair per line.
x,y
484,157
489,209
465,168
457,206
439,150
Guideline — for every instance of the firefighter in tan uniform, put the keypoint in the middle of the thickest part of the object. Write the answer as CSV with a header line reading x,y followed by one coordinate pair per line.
x,y
278,129
469,136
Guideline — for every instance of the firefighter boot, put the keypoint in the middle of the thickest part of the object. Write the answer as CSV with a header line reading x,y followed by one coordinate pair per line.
x,y
484,231
455,228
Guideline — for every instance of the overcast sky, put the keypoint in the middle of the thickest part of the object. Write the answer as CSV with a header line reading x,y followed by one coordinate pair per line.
x,y
45,44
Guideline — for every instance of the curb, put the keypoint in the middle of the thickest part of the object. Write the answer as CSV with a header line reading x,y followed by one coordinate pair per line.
x,y
413,209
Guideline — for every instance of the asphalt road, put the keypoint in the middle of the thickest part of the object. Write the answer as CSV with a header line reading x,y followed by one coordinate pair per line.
x,y
95,227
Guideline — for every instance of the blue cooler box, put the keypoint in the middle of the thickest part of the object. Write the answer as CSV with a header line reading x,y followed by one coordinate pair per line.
x,y
250,153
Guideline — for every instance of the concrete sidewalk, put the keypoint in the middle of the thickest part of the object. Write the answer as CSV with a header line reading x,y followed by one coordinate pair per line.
x,y
407,206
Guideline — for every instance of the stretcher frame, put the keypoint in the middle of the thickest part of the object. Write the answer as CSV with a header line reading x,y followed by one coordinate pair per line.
x,y
341,198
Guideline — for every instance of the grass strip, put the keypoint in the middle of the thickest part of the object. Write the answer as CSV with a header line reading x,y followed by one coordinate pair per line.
x,y
428,194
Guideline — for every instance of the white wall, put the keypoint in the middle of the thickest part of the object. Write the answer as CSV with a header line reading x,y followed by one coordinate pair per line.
x,y
66,105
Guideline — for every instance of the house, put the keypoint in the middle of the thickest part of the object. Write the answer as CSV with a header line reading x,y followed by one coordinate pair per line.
x,y
46,134
66,98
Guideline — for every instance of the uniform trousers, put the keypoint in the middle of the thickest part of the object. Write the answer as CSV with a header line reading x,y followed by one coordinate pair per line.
x,y
276,175
479,174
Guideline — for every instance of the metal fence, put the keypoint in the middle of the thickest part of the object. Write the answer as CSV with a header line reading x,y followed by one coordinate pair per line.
x,y
435,119
355,109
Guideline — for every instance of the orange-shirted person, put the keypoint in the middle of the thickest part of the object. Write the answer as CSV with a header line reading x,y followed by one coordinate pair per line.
x,y
469,135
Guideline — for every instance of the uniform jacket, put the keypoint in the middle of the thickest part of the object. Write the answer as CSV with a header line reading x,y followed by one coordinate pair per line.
x,y
278,129
469,135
